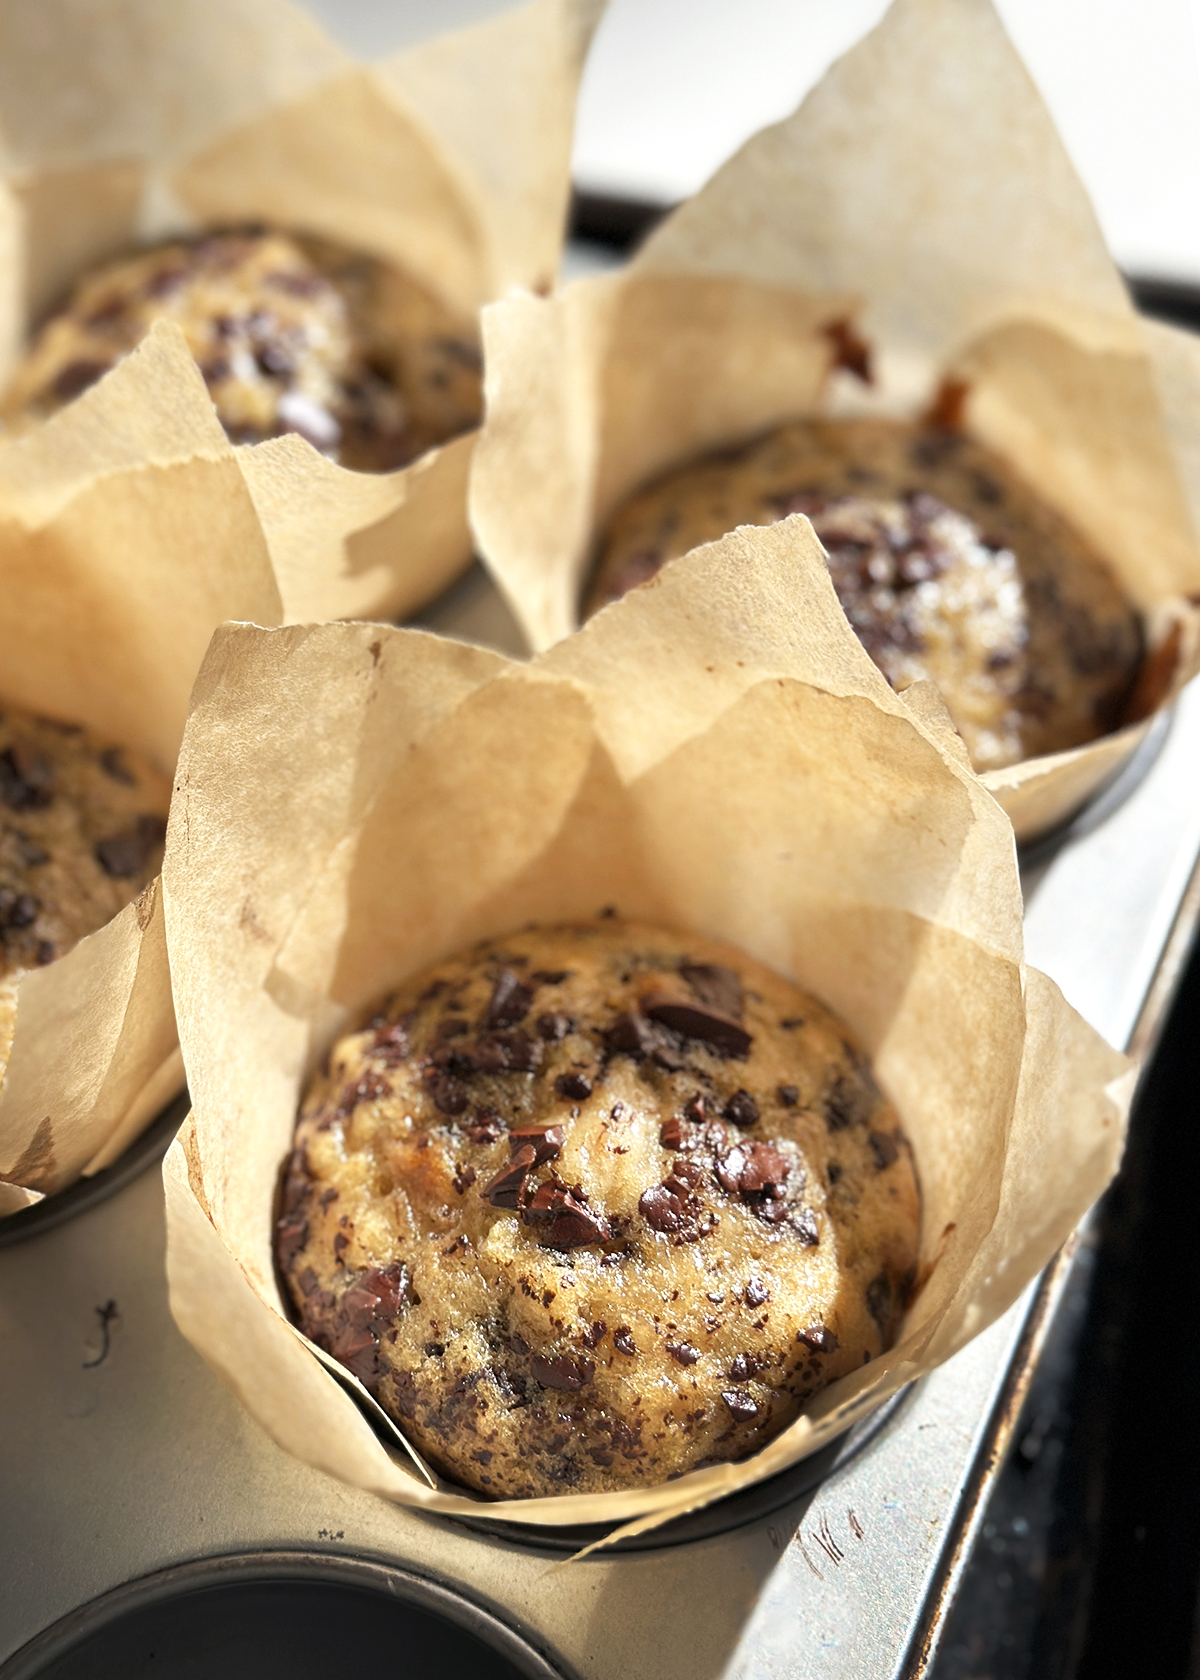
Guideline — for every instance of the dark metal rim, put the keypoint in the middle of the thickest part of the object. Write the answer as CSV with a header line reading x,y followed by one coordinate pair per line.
x,y
150,1146
365,1573
722,1517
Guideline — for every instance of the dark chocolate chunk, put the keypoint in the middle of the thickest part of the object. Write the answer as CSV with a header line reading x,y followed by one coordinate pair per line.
x,y
510,1000
683,1352
804,1223
623,1340
435,1350
452,1027
684,1177
77,376
745,1366
508,1052
753,1169
593,1336
553,1026
661,1208
884,1147
705,1026
566,1219
376,1297
504,1190
629,1035
756,1293
574,1086
879,1301
562,1372
789,1095
695,1109
671,1134
741,1406
447,1094
371,1087
716,986
341,1243
26,779
112,762
291,1234
17,909
741,1109
125,855
358,1351
545,1141
819,1338
463,1179
391,1042
484,1127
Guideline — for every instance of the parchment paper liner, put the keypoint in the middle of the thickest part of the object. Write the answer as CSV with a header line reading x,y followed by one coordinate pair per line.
x,y
127,533
715,752
137,121
921,192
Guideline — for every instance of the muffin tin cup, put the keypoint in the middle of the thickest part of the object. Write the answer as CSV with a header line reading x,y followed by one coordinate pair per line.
x,y
1004,315
279,1616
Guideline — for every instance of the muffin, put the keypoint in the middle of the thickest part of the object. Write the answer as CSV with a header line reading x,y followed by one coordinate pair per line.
x,y
291,334
947,566
82,824
590,1206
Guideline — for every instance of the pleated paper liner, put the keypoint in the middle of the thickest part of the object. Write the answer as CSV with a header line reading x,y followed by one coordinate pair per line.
x,y
451,161
716,753
921,200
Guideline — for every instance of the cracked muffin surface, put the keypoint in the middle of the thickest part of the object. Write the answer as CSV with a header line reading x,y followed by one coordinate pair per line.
x,y
946,564
291,334
589,1206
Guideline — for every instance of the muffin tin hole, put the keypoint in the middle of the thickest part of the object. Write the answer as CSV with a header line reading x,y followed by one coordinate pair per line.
x,y
85,1193
279,1616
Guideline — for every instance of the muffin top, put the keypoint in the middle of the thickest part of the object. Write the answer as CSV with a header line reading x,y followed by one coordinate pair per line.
x,y
591,1205
947,566
291,334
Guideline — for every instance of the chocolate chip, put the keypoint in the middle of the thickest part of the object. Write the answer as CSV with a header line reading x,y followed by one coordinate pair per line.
x,y
683,1352
112,762
510,1000
595,1334
17,909
756,1293
508,1052
574,1086
884,1147
562,1372
448,1096
484,1127
716,986
504,1190
26,779
566,1219
692,1021
392,1042
291,1234
629,1035
804,1223
435,1350
671,1134
741,1406
126,855
745,1366
358,1351
684,1176
69,381
371,1087
623,1340
545,1141
879,1300
695,1109
789,1095
463,1179
376,1297
741,1109
819,1338
850,350
553,1026
661,1208
341,1243
753,1169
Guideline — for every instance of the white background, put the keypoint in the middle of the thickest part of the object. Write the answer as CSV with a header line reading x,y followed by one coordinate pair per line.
x,y
673,86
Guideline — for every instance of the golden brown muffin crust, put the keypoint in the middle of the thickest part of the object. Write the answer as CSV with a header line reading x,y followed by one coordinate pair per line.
x,y
291,334
591,1205
946,564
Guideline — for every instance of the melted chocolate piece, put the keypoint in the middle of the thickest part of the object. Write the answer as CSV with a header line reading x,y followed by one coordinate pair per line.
x,y
508,1052
504,1190
510,1002
756,1293
741,1109
562,1372
125,855
716,986
623,1340
819,1338
705,1026
741,1406
568,1221
484,1127
545,1141
291,1236
683,1352
576,1087
553,1026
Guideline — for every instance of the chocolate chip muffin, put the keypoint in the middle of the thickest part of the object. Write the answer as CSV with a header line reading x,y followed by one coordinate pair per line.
x,y
590,1206
291,334
82,824
946,564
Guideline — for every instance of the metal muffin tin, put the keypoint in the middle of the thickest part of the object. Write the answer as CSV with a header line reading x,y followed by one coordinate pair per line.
x,y
128,1469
